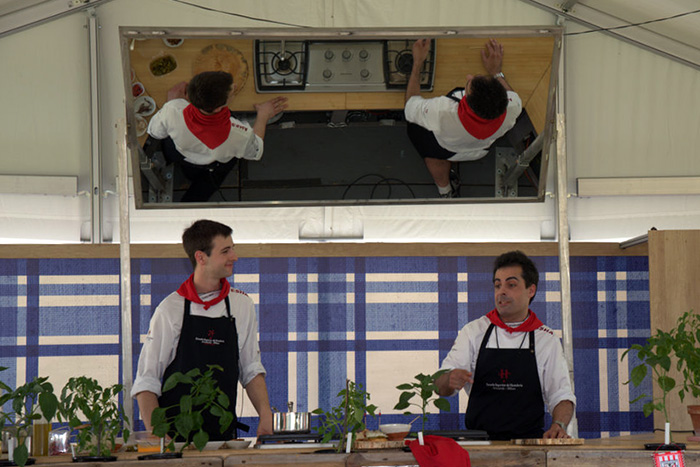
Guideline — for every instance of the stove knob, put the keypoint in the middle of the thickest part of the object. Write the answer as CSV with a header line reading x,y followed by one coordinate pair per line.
x,y
364,55
329,55
327,74
364,73
347,55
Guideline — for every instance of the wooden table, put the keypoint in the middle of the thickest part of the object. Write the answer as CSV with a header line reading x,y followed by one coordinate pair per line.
x,y
625,451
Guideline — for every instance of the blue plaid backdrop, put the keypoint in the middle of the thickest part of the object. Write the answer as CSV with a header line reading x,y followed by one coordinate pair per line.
x,y
378,321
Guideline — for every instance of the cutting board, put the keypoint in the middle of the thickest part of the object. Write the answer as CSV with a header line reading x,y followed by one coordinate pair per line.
x,y
549,442
384,444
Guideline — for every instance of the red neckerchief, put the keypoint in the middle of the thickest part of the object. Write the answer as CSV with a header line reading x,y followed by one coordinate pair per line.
x,y
530,324
188,290
212,130
479,128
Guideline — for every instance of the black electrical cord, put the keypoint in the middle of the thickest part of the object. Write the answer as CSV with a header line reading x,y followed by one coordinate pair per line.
x,y
382,179
387,180
633,24
238,14
351,184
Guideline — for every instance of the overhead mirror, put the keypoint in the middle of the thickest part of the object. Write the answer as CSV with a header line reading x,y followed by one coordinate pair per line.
x,y
342,138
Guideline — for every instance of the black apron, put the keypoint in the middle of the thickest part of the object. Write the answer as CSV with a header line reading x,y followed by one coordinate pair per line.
x,y
207,341
506,397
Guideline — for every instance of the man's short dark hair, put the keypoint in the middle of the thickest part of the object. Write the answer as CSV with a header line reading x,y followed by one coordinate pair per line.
x,y
487,97
200,237
518,258
209,90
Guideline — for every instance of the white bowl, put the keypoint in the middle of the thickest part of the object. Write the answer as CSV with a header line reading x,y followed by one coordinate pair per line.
x,y
144,106
395,430
238,444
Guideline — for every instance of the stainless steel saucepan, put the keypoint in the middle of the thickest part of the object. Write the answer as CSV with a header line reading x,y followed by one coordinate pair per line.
x,y
290,422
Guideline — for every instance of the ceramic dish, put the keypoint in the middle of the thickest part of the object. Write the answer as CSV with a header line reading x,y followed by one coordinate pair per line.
x,y
144,106
137,89
173,41
141,125
238,443
395,431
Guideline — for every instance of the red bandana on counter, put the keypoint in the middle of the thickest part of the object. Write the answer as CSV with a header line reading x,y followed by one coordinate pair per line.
x,y
439,452
479,128
212,130
188,290
530,324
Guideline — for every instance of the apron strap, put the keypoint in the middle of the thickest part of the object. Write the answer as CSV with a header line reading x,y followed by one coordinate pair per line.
x,y
452,96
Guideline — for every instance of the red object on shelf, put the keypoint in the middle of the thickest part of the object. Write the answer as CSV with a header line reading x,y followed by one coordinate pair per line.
x,y
669,459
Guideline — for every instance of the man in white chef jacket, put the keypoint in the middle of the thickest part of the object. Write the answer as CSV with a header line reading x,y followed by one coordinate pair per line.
x,y
463,124
204,322
510,364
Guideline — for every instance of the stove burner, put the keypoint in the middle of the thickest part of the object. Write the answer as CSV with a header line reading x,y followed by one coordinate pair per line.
x,y
404,62
398,64
280,65
284,63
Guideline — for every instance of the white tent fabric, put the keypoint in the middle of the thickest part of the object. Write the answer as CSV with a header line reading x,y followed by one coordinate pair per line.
x,y
630,113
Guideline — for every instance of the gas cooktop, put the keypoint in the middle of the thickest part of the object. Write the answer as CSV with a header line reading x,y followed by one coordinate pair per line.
x,y
338,66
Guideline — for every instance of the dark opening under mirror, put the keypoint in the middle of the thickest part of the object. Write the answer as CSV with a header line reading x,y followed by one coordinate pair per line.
x,y
342,139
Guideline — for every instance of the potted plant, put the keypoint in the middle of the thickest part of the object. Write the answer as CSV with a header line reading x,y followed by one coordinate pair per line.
x,y
347,417
26,402
103,413
664,350
687,349
424,387
204,396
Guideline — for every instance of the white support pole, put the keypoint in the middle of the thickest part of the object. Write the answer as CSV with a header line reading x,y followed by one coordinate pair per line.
x,y
564,263
125,268
563,231
95,163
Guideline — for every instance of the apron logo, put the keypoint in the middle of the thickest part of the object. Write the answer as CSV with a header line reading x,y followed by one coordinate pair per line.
x,y
504,374
209,340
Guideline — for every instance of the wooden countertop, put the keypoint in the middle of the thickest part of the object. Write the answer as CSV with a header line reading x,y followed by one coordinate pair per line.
x,y
625,451
527,63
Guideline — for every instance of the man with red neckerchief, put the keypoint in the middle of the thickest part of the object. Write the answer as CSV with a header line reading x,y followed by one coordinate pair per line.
x,y
204,322
202,136
462,125
509,363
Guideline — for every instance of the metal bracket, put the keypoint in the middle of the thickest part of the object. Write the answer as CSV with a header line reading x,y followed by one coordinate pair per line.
x,y
505,158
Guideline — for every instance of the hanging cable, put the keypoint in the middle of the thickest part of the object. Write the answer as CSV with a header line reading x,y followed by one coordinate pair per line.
x,y
634,24
239,15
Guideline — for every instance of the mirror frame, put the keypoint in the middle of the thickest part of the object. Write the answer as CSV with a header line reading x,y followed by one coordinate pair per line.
x,y
127,34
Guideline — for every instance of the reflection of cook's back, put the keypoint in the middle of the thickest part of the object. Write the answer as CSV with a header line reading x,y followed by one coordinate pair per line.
x,y
205,139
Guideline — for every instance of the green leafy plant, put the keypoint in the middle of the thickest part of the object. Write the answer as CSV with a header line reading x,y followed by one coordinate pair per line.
x,y
25,402
204,396
664,350
82,398
424,387
687,348
347,417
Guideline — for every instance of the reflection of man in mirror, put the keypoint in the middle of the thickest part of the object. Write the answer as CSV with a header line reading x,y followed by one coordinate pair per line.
x,y
203,136
462,125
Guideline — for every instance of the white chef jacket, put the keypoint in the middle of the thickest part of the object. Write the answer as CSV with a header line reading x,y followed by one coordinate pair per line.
x,y
551,364
160,347
242,142
439,115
